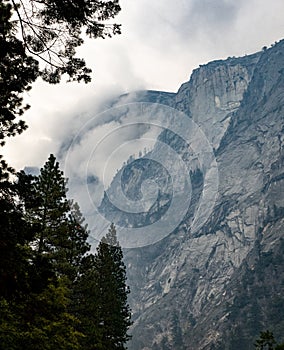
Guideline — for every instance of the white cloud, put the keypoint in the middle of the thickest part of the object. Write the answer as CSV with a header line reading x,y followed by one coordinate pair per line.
x,y
161,43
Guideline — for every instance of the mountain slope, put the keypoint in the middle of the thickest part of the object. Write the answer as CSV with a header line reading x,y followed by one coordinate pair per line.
x,y
217,287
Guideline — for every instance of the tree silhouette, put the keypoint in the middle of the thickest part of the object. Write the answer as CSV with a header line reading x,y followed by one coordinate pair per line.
x,y
114,312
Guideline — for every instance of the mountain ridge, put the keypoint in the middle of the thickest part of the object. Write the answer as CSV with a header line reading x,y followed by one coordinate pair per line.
x,y
215,287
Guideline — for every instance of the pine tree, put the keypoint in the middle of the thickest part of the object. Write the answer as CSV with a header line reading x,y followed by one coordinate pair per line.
x,y
15,251
114,316
87,305
47,321
51,213
61,235
266,341
48,210
78,241
59,251
63,296
17,72
34,298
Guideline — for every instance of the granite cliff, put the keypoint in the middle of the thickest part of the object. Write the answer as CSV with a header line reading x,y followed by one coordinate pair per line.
x,y
218,286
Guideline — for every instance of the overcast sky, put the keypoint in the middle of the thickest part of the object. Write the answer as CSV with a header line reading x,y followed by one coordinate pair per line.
x,y
161,43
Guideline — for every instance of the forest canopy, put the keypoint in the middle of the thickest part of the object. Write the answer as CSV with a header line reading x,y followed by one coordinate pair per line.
x,y
38,38
54,292
51,290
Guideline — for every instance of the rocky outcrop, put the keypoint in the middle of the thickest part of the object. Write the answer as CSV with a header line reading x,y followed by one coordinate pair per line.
x,y
214,92
218,287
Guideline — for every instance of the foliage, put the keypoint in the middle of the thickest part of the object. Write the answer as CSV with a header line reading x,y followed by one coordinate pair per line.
x,y
114,312
49,324
78,244
15,251
46,210
266,341
9,326
54,293
51,30
17,72
86,305
39,38
48,279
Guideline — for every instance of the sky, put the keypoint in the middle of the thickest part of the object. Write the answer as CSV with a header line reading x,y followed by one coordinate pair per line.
x,y
161,43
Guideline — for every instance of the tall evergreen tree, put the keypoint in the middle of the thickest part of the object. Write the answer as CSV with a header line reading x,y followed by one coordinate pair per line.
x,y
51,213
87,304
114,315
78,241
48,210
15,251
17,72
61,235
59,246
48,323
63,297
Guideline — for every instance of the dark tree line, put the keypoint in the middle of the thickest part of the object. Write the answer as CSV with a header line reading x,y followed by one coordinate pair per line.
x,y
54,293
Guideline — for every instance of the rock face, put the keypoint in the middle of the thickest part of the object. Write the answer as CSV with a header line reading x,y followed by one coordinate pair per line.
x,y
218,287
214,92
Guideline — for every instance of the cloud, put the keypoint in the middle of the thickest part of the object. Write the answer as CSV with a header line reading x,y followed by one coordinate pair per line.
x,y
161,43
214,13
102,134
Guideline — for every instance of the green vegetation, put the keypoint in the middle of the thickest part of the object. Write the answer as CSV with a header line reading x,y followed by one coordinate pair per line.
x,y
39,38
52,291
55,294
266,341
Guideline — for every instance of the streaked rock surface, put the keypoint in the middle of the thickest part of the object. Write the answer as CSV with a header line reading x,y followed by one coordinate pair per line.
x,y
217,287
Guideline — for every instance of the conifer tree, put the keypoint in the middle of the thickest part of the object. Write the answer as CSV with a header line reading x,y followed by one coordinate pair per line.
x,y
87,304
48,323
51,213
61,235
78,241
14,248
59,247
114,316
68,298
266,341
